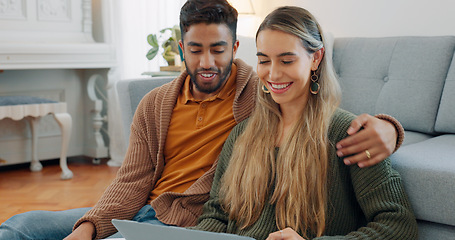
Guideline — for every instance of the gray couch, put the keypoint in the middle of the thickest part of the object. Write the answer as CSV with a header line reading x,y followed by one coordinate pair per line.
x,y
130,93
410,78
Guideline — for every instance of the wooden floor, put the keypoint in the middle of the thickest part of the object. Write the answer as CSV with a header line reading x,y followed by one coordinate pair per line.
x,y
22,190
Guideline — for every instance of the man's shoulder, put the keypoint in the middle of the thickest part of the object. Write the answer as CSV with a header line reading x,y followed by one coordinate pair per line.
x,y
244,71
158,93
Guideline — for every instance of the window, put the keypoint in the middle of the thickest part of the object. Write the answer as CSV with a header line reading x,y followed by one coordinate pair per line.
x,y
136,19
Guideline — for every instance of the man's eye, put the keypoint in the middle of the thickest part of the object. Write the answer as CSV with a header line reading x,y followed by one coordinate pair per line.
x,y
218,51
263,61
195,50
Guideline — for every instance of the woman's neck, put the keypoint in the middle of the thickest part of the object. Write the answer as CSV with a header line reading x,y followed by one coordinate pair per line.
x,y
290,116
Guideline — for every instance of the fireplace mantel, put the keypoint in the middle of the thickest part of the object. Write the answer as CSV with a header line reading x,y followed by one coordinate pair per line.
x,y
49,34
15,56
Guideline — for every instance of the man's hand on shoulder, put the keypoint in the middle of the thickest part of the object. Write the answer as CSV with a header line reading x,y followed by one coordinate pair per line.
x,y
85,231
371,145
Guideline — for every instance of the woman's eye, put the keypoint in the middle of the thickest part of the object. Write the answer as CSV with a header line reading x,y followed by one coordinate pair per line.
x,y
263,61
286,62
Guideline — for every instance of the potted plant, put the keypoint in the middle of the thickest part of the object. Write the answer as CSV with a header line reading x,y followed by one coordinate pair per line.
x,y
169,38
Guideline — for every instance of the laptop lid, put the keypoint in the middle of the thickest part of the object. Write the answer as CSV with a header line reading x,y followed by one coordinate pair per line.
x,y
145,231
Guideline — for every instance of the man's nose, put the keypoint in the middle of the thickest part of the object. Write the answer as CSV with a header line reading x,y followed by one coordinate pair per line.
x,y
207,61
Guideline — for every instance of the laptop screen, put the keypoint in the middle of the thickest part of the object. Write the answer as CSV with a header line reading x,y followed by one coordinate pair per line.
x,y
144,231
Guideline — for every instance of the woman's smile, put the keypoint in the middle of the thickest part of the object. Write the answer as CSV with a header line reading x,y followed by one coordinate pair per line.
x,y
279,87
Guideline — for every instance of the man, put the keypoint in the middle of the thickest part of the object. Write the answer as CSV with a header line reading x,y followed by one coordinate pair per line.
x,y
177,133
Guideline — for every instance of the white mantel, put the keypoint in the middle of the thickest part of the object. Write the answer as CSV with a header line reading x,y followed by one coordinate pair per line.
x,y
50,34
47,49
56,56
46,20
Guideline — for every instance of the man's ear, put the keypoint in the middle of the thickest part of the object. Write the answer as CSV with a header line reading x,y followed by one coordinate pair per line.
x,y
317,58
181,47
235,47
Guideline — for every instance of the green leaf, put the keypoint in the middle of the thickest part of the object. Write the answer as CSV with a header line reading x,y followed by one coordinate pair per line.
x,y
165,29
152,53
176,33
169,45
152,40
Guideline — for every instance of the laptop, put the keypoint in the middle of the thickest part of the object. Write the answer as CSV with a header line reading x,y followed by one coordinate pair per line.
x,y
145,231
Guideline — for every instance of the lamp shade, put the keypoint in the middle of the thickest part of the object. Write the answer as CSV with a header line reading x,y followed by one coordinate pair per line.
x,y
242,6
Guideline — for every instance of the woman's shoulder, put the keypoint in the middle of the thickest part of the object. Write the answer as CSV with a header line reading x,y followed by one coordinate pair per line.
x,y
239,128
341,116
340,122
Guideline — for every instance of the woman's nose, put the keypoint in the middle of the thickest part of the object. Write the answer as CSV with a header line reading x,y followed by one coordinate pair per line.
x,y
275,72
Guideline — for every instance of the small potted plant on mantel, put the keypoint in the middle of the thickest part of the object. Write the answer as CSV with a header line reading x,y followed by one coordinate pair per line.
x,y
169,39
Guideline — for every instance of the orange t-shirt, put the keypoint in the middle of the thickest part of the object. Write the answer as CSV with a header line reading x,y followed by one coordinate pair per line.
x,y
197,132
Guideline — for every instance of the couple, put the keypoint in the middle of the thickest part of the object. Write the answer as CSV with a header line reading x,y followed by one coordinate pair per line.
x,y
281,174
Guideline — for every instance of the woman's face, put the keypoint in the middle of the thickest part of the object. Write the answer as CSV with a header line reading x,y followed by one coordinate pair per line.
x,y
284,67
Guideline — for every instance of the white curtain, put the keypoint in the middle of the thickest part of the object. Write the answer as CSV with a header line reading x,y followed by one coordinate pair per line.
x,y
130,23
140,18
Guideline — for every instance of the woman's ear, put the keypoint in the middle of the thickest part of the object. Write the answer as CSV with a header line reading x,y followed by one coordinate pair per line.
x,y
317,58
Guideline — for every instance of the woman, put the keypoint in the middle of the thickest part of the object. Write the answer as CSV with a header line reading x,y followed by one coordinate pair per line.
x,y
278,175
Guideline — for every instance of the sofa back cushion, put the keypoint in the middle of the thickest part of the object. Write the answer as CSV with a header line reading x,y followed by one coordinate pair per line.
x,y
130,92
445,122
400,76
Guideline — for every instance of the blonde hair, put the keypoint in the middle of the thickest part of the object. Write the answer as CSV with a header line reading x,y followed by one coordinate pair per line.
x,y
297,177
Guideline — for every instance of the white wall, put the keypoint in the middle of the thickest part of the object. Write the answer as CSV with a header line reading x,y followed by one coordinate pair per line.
x,y
375,18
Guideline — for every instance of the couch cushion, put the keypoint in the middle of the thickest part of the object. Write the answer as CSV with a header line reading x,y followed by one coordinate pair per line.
x,y
22,100
138,89
446,114
130,93
431,230
428,172
247,50
411,137
400,76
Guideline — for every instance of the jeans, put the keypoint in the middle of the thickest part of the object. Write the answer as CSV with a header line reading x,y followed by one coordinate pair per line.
x,y
48,225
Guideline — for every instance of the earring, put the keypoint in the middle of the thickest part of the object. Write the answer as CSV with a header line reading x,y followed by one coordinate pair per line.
x,y
264,89
314,86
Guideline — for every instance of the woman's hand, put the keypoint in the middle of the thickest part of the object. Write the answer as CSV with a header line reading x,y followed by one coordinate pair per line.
x,y
285,234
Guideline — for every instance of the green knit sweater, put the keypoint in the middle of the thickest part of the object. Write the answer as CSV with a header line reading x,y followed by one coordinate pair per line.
x,y
363,203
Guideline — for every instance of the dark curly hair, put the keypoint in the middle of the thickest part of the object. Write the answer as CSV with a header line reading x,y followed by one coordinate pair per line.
x,y
208,11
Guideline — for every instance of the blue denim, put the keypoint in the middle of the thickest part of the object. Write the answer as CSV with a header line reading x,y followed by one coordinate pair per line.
x,y
49,225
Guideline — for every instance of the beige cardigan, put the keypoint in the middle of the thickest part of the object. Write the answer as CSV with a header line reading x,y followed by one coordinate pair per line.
x,y
144,160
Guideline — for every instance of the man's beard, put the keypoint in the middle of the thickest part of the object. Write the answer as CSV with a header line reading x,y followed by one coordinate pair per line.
x,y
210,89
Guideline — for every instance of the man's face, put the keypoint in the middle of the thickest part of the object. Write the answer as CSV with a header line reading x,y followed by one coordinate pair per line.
x,y
208,52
